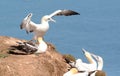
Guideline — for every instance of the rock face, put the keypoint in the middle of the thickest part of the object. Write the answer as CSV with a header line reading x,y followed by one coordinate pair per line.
x,y
15,63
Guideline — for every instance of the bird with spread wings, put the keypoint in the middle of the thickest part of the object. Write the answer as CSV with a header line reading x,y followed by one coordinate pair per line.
x,y
39,30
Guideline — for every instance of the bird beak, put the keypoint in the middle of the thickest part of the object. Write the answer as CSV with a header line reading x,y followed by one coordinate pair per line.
x,y
95,56
29,15
52,20
83,50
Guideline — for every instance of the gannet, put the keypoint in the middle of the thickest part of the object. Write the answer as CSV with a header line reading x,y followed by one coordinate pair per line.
x,y
82,66
93,68
27,47
92,65
99,60
30,47
86,68
98,71
75,72
42,47
40,29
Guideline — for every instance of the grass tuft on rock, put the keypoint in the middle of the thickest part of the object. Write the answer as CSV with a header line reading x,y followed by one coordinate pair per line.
x,y
3,55
70,57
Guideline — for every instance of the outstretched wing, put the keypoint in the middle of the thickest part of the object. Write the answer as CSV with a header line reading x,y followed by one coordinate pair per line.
x,y
64,12
27,24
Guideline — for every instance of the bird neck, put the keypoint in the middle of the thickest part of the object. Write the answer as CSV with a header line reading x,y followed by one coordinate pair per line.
x,y
89,58
74,71
100,65
40,39
44,21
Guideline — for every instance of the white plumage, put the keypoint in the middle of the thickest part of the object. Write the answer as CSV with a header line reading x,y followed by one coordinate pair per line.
x,y
40,29
93,68
74,72
82,66
31,47
99,60
92,65
42,47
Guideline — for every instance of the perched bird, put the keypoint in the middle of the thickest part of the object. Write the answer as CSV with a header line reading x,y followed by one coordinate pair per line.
x,y
71,72
99,60
98,71
30,47
27,47
40,29
42,47
92,65
75,72
82,66
93,68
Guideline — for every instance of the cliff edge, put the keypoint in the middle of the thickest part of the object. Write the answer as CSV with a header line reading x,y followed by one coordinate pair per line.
x,y
13,62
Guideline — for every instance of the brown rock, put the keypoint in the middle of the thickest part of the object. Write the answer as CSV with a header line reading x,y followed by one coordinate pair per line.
x,y
50,63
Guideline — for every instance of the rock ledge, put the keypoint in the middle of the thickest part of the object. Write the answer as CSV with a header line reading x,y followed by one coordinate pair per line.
x,y
50,63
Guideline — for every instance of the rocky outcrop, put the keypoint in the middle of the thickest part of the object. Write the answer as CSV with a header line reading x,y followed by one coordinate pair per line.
x,y
13,62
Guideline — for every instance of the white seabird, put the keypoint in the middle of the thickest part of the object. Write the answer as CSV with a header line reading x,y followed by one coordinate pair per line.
x,y
93,68
98,71
92,65
74,72
40,29
82,66
42,47
30,47
99,60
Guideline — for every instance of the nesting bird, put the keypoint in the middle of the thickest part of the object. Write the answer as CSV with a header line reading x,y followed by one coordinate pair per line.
x,y
92,65
39,30
31,47
75,72
82,66
93,68
42,47
98,71
99,60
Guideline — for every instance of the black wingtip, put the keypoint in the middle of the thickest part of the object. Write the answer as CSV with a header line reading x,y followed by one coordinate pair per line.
x,y
21,27
70,13
27,47
74,12
67,13
83,50
77,13
30,15
27,32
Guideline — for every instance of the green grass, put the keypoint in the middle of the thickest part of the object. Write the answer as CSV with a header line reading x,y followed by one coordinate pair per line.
x,y
70,57
3,55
